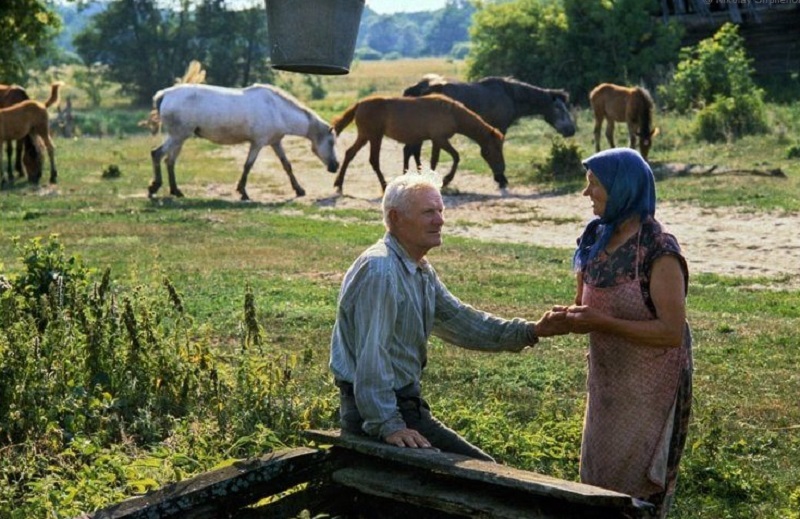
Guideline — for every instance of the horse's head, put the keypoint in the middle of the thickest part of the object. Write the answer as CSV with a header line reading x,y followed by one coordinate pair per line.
x,y
323,144
492,153
645,141
558,115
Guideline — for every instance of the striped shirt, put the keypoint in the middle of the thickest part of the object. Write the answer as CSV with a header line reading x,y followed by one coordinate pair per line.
x,y
388,307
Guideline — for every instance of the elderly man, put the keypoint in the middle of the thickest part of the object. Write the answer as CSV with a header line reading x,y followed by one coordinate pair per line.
x,y
390,302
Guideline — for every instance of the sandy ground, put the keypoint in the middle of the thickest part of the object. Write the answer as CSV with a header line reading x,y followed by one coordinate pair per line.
x,y
722,241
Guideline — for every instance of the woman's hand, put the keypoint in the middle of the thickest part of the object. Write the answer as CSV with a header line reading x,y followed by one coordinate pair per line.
x,y
583,319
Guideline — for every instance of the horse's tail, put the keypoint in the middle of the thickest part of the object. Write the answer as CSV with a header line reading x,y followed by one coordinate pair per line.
x,y
645,112
340,123
53,99
157,98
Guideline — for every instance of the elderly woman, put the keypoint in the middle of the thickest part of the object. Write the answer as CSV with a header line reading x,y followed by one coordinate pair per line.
x,y
632,283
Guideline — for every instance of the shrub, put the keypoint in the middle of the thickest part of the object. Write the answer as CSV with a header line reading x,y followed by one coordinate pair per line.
x,y
563,164
729,118
716,77
717,66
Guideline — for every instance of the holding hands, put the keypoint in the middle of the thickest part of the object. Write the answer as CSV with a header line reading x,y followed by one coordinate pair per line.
x,y
561,320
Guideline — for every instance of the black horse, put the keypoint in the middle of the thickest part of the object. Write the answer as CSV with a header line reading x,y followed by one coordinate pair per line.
x,y
497,100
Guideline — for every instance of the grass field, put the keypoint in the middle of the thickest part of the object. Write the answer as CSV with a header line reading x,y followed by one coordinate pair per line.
x,y
744,446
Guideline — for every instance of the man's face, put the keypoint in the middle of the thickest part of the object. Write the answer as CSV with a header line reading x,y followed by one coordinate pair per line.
x,y
419,229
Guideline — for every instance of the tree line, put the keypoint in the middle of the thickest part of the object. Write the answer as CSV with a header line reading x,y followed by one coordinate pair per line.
x,y
145,44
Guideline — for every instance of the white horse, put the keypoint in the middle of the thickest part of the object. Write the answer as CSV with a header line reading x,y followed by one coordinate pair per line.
x,y
259,114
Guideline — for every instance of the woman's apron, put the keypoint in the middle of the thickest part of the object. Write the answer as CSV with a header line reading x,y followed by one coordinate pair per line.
x,y
631,402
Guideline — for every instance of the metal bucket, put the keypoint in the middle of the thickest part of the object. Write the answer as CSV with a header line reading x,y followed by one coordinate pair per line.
x,y
313,36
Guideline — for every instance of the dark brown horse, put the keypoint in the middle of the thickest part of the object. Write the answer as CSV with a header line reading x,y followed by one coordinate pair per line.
x,y
416,119
632,106
30,118
500,101
27,156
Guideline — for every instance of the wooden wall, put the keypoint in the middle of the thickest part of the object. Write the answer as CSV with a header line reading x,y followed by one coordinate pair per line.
x,y
771,32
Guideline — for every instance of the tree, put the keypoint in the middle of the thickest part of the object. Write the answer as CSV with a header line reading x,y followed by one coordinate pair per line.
x,y
572,44
233,43
450,26
146,47
27,28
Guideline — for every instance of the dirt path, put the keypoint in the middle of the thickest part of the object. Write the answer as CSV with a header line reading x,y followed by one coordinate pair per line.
x,y
722,241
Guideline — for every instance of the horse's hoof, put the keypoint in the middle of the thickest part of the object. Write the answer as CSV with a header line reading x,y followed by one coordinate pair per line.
x,y
176,193
504,192
300,192
245,198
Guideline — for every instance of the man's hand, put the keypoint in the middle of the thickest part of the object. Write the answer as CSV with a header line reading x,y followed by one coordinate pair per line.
x,y
553,322
408,438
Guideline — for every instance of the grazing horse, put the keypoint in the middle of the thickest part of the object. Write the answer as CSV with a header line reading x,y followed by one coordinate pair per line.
x,y
27,156
633,106
415,119
260,114
30,118
499,101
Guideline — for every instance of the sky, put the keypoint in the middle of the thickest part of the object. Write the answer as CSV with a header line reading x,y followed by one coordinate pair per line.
x,y
394,6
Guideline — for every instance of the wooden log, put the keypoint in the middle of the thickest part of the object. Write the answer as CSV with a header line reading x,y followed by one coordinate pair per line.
x,y
217,493
487,473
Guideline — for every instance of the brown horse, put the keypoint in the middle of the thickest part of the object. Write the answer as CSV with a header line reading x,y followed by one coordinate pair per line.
x,y
30,118
27,156
633,106
411,120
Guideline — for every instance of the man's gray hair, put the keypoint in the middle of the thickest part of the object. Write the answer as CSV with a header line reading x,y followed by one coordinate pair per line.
x,y
396,194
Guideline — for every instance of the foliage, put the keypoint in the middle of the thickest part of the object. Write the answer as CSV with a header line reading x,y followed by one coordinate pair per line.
x,y
88,366
449,27
556,43
92,80
146,47
563,163
729,118
27,27
715,67
415,34
716,77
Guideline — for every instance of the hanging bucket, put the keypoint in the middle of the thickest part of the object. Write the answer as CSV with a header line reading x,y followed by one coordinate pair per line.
x,y
313,36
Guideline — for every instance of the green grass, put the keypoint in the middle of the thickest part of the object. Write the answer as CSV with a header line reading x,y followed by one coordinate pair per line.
x,y
524,409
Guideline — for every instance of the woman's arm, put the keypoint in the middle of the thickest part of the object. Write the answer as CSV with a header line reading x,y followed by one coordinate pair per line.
x,y
667,293
579,288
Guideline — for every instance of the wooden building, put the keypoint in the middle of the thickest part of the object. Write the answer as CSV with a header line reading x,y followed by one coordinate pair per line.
x,y
770,28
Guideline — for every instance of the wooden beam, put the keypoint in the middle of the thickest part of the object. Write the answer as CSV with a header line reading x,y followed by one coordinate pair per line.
x,y
475,470
216,493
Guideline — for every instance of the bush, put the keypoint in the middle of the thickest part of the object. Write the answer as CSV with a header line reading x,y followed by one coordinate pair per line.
x,y
563,164
715,67
716,77
368,54
729,118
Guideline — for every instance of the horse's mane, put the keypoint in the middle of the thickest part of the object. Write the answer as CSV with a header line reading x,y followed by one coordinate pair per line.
x,y
286,96
513,82
453,104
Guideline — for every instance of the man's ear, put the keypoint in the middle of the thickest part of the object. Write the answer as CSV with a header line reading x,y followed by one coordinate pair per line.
x,y
394,215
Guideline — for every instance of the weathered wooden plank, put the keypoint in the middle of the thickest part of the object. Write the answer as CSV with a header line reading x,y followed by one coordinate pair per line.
x,y
476,470
399,485
228,488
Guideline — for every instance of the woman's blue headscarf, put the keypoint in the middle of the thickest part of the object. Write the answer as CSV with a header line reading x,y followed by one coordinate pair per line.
x,y
631,189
